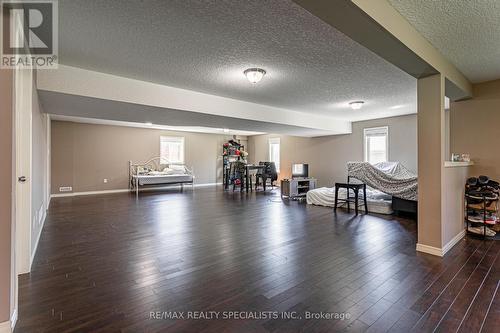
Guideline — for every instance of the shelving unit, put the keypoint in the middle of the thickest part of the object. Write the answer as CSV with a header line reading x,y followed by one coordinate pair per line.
x,y
297,187
229,155
481,216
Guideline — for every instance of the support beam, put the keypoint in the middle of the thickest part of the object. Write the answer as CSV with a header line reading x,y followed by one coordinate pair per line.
x,y
90,84
431,147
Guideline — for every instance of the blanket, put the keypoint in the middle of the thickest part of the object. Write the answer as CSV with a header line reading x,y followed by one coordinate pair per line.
x,y
389,177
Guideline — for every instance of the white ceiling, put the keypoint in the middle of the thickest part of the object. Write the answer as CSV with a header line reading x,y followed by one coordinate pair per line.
x,y
467,32
206,45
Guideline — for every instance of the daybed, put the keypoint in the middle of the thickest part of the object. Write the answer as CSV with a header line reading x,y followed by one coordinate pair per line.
x,y
158,172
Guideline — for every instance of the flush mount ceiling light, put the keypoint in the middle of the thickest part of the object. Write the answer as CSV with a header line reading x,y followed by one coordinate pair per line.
x,y
148,123
254,75
225,130
356,105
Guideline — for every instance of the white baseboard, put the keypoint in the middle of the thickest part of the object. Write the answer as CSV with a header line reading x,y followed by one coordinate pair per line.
x,y
453,241
9,325
207,184
436,251
5,327
38,238
13,320
74,194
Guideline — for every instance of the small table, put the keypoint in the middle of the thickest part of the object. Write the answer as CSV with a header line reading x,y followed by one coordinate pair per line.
x,y
351,186
248,168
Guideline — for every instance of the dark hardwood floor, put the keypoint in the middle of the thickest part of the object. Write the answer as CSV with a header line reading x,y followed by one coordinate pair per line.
x,y
105,263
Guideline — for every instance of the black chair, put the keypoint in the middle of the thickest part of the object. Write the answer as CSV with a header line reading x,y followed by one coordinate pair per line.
x,y
258,174
355,187
268,172
237,174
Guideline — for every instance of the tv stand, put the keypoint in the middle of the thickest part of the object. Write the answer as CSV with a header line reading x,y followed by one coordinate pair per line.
x,y
297,187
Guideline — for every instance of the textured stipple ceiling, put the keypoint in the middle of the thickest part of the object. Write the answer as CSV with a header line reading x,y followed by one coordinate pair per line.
x,y
467,32
206,45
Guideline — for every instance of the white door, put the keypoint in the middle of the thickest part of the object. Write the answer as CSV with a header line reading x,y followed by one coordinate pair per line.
x,y
23,83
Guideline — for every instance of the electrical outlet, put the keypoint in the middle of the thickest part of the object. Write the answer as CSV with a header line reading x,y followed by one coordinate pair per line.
x,y
105,180
65,189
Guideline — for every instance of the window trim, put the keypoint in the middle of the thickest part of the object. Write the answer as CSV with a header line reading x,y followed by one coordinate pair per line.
x,y
179,139
375,130
271,142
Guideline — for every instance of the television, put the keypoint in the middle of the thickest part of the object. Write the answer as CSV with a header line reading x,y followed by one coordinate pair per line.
x,y
300,170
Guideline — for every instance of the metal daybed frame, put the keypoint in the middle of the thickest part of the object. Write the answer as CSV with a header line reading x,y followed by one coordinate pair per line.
x,y
137,180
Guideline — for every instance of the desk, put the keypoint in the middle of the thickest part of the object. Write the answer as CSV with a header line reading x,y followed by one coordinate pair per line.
x,y
248,168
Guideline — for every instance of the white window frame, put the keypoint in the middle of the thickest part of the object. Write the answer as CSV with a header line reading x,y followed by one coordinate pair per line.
x,y
274,141
176,139
372,131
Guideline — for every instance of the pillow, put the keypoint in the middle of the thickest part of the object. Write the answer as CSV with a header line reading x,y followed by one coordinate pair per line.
x,y
177,167
169,171
142,170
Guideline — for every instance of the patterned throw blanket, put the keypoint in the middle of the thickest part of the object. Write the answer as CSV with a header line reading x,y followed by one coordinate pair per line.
x,y
389,177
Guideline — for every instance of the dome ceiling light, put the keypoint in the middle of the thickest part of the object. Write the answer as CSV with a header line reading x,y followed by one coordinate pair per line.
x,y
254,75
356,105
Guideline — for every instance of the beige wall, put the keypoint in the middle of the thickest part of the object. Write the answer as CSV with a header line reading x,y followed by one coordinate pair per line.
x,y
293,149
6,77
475,129
83,155
453,202
327,156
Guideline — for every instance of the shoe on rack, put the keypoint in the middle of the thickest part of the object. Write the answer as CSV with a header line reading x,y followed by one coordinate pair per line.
x,y
472,181
482,230
483,180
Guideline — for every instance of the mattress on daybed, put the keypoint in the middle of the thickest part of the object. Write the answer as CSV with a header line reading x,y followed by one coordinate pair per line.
x,y
164,179
378,202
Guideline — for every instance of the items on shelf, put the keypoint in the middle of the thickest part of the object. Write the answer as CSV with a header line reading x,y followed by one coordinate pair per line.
x,y
460,157
232,151
481,197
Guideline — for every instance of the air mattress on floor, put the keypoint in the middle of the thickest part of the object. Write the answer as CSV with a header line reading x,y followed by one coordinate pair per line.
x,y
378,202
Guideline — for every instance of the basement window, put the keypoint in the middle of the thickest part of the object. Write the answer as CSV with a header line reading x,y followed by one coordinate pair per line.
x,y
376,144
172,149
274,152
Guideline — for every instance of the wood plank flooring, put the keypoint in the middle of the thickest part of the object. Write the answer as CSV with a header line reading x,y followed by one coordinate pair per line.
x,y
111,263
